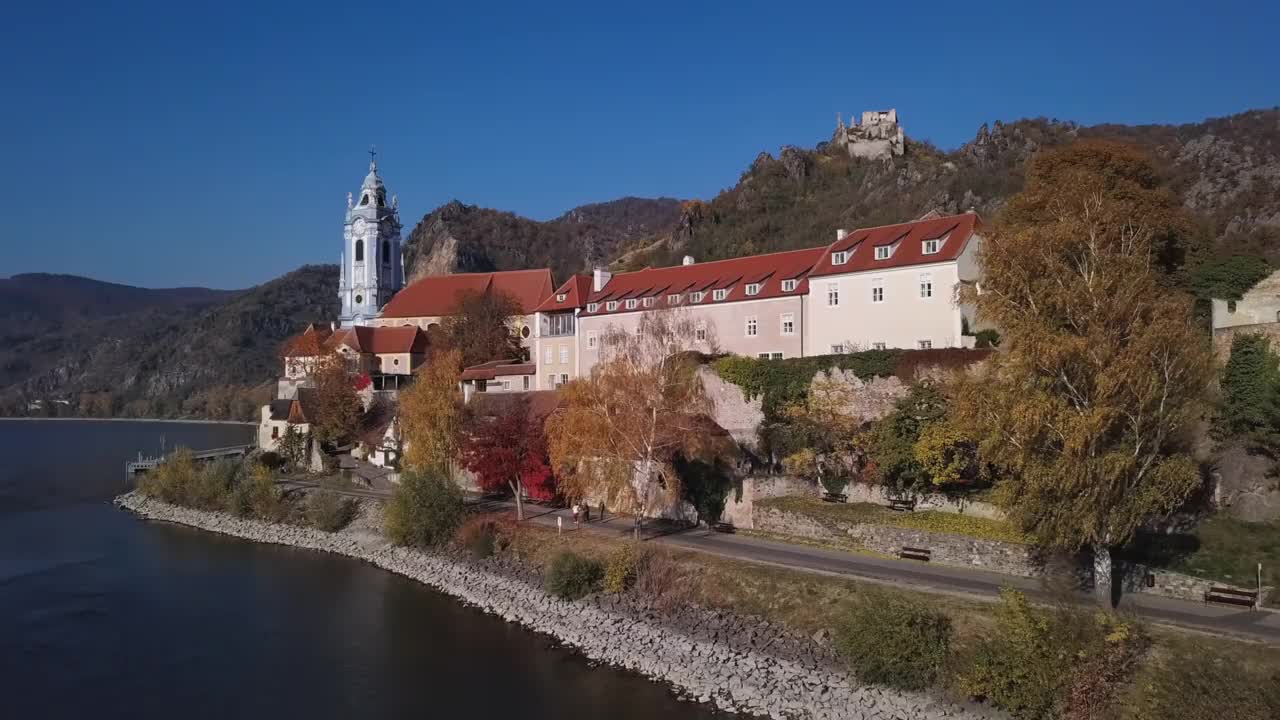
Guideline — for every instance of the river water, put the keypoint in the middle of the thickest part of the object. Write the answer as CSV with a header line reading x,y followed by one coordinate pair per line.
x,y
105,616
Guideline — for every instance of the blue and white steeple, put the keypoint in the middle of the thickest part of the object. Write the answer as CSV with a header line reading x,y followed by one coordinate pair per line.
x,y
372,269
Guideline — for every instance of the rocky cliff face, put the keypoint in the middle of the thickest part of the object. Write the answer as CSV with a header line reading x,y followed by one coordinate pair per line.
x,y
465,238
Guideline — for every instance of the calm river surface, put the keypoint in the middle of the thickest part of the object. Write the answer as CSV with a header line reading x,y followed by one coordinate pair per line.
x,y
105,616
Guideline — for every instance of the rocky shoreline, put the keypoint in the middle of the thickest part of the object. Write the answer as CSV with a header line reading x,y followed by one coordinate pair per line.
x,y
740,665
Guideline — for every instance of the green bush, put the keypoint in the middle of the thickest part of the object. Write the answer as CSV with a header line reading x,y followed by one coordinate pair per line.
x,y
181,481
890,641
258,496
571,576
424,510
986,339
784,382
327,510
620,571
1039,664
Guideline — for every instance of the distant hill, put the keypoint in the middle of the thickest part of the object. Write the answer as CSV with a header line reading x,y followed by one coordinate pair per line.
x,y
46,300
465,238
199,357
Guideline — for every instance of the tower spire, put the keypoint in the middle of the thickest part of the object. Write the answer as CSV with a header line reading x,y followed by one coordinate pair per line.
x,y
373,154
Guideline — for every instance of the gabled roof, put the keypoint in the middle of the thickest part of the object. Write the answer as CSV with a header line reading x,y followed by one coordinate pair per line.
x,y
437,295
574,290
772,269
382,340
295,410
955,230
498,368
660,282
315,340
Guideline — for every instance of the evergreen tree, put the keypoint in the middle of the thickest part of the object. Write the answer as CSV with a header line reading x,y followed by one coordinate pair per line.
x,y
1251,393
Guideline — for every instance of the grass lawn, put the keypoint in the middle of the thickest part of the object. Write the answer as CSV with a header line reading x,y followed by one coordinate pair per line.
x,y
928,520
1230,550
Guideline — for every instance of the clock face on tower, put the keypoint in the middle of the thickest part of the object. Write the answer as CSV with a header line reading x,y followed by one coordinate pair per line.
x,y
357,227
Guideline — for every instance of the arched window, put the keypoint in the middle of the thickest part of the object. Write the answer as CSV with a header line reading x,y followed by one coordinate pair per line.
x,y
359,251
364,199
386,251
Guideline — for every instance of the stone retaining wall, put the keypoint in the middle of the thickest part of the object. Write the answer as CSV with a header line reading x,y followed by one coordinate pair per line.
x,y
946,548
738,664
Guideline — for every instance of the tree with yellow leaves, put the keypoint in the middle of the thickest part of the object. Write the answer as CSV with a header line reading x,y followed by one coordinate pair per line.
x,y
1086,411
618,431
431,417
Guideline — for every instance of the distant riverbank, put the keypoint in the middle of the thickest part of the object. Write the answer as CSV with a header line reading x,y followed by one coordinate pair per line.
x,y
184,421
714,657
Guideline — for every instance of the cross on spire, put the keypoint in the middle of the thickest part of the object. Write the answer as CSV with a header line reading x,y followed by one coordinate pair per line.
x,y
373,154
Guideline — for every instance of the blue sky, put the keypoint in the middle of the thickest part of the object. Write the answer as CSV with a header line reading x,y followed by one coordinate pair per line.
x,y
163,143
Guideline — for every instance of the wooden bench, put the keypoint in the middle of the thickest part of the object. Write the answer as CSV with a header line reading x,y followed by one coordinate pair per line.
x,y
910,553
835,497
1230,596
902,505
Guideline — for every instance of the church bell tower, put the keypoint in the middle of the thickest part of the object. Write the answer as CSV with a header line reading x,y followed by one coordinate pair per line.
x,y
371,269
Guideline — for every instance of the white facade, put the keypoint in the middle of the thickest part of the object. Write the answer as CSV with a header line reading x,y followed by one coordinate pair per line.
x,y
371,265
1259,306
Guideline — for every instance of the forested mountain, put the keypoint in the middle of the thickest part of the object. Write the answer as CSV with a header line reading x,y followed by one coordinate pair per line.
x,y
162,359
100,348
1226,170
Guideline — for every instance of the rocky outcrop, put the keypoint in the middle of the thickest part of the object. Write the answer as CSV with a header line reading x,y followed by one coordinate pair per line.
x,y
738,664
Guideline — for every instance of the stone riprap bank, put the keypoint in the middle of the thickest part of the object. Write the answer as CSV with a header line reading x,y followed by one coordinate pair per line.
x,y
720,659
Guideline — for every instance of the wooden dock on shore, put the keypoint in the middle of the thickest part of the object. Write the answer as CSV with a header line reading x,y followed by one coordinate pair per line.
x,y
133,467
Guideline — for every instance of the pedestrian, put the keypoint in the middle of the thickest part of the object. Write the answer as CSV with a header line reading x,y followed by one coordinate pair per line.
x,y
586,513
576,510
601,511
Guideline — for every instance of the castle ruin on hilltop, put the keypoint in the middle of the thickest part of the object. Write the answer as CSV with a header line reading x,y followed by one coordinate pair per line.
x,y
878,136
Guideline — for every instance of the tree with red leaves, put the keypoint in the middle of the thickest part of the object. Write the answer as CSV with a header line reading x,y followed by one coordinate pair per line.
x,y
507,450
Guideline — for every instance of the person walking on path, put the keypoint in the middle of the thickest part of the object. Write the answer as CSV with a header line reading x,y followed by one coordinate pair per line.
x,y
576,510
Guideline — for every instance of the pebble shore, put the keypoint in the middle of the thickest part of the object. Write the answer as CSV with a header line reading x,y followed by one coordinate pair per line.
x,y
739,665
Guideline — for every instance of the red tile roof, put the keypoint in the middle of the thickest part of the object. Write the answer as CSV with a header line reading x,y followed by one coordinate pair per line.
x,y
382,340
686,279
498,368
907,241
574,290
770,270
437,295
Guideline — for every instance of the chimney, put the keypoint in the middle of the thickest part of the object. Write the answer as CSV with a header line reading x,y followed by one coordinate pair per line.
x,y
841,234
599,279
688,260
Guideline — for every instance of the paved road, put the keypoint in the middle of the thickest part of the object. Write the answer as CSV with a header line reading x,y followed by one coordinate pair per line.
x,y
979,584
1213,619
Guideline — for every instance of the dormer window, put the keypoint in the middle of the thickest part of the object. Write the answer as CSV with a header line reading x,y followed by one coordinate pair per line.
x,y
611,305
560,297
592,307
789,285
753,289
673,299
840,258
631,304
883,252
720,294
931,247
697,297
648,302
